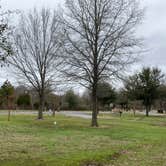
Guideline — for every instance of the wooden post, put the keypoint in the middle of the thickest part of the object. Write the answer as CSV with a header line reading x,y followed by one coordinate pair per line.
x,y
9,112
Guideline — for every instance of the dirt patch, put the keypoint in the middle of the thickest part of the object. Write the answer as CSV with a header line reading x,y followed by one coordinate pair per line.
x,y
159,124
115,156
109,158
91,163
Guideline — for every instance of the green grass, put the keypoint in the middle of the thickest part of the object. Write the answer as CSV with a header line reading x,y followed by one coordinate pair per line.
x,y
126,141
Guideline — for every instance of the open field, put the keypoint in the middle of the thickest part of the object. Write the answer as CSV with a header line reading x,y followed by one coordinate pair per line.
x,y
126,141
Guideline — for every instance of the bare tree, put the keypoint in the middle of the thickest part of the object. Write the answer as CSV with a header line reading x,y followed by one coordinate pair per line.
x,y
100,41
37,45
5,32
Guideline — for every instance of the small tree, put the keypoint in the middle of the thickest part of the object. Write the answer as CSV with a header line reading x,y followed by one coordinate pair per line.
x,y
161,100
122,99
144,86
71,99
53,101
7,91
105,93
24,100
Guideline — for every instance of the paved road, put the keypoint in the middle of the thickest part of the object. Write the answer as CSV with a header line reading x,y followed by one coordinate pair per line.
x,y
80,114
85,115
151,113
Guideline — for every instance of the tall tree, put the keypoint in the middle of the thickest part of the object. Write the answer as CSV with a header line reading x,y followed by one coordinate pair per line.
x,y
37,45
144,85
100,41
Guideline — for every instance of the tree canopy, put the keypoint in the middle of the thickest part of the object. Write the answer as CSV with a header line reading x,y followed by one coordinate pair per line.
x,y
100,41
5,36
71,99
106,94
144,86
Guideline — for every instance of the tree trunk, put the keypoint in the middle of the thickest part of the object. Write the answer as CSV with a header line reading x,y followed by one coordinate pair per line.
x,y
95,71
53,112
134,111
41,106
148,110
94,107
9,112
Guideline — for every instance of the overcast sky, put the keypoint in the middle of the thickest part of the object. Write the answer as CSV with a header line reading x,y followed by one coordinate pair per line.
x,y
153,29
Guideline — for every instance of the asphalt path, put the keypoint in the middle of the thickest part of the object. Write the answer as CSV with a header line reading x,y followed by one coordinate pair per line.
x,y
80,114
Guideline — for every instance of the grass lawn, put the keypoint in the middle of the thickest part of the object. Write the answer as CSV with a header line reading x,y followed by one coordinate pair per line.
x,y
126,141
